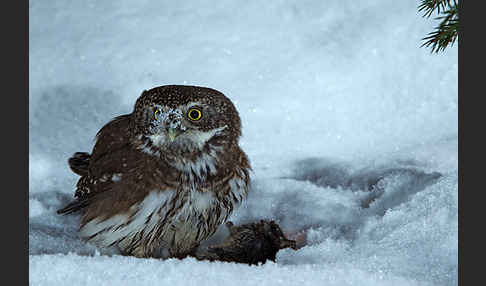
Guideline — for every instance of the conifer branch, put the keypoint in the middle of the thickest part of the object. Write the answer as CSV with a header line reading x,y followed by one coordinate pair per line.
x,y
446,33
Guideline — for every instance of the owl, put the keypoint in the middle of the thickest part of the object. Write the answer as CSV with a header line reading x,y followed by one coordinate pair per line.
x,y
163,178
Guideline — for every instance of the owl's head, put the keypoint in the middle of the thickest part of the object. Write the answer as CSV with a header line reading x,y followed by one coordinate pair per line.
x,y
183,120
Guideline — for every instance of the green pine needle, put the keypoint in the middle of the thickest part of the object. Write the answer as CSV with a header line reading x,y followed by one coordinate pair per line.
x,y
445,34
429,6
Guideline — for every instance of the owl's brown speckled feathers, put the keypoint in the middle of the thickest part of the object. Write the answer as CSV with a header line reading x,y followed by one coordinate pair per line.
x,y
163,178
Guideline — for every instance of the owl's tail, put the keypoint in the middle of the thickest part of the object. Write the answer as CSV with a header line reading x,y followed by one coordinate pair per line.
x,y
74,206
79,163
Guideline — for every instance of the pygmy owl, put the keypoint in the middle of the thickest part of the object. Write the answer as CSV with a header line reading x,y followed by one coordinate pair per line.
x,y
163,178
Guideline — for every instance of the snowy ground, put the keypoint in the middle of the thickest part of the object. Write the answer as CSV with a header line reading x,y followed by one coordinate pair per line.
x,y
351,129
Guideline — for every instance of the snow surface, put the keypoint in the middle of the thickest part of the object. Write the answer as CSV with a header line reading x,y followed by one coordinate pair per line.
x,y
350,127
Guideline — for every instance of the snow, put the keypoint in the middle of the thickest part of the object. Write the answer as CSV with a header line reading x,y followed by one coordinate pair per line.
x,y
350,127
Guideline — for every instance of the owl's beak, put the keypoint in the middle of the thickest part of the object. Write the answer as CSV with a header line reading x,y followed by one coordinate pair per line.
x,y
173,133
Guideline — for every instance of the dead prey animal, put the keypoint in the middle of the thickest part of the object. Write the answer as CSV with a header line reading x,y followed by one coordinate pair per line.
x,y
250,243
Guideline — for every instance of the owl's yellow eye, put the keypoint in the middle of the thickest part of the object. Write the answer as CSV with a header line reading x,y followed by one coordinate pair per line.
x,y
156,112
194,114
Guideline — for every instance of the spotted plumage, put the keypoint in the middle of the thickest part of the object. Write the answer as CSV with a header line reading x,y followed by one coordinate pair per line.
x,y
163,178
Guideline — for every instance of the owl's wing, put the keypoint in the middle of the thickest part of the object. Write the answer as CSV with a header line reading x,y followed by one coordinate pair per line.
x,y
112,157
126,174
79,163
111,137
